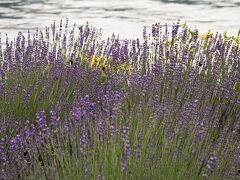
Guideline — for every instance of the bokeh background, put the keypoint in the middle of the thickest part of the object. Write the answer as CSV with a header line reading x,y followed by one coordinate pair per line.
x,y
124,17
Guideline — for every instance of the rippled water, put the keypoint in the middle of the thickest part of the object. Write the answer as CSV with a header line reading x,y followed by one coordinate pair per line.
x,y
126,17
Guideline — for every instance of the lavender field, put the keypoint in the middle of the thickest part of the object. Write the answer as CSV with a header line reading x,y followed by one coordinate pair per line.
x,y
163,106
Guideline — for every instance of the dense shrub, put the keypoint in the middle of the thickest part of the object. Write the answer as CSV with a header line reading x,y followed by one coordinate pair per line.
x,y
74,106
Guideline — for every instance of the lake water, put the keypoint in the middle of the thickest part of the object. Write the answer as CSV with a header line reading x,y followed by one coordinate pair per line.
x,y
124,17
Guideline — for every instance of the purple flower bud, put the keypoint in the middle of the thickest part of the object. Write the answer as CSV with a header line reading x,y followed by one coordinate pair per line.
x,y
14,147
53,117
195,35
139,146
27,132
2,87
26,97
128,148
3,155
112,130
87,170
14,143
77,115
155,105
100,177
211,164
123,164
101,128
41,121
125,131
201,130
83,144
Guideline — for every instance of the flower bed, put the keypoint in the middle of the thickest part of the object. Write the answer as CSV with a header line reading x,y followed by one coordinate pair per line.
x,y
73,106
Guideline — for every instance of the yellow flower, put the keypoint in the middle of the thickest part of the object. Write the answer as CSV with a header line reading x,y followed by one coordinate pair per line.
x,y
206,35
103,63
92,61
183,24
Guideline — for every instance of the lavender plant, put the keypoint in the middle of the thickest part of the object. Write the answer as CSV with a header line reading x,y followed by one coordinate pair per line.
x,y
74,106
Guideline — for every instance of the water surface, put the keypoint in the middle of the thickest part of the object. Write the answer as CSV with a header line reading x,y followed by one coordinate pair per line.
x,y
124,17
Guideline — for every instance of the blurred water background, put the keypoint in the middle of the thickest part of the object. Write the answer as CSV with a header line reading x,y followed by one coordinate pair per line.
x,y
124,17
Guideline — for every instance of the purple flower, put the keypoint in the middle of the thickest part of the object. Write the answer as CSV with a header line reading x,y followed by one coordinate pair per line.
x,y
112,130
235,163
125,131
184,115
58,65
101,128
14,143
237,128
175,29
2,87
41,121
195,111
165,106
201,130
100,177
77,114
26,97
3,155
128,148
83,143
157,68
211,164
195,35
84,108
144,57
53,117
155,105
139,146
87,170
58,108
27,133
14,147
123,164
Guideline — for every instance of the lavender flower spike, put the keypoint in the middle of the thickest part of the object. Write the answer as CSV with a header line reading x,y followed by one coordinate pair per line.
x,y
41,121
211,164
53,116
